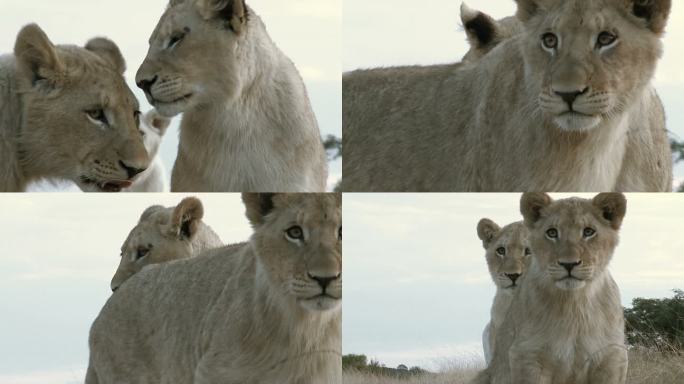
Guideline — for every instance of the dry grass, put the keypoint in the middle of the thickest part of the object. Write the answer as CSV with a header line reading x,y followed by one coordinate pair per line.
x,y
645,367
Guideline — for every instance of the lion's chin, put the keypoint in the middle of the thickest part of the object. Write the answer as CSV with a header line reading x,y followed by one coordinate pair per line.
x,y
173,108
576,122
570,283
320,303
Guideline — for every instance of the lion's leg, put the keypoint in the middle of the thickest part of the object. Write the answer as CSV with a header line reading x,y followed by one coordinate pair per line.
x,y
526,368
611,367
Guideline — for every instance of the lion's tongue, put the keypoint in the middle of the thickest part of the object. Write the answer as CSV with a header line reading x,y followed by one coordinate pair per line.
x,y
115,185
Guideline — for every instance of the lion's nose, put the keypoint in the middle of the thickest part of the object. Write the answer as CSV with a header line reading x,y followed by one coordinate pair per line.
x,y
324,281
570,97
131,171
146,84
569,266
513,276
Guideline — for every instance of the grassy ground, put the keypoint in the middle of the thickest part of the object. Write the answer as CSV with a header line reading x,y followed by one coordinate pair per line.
x,y
645,367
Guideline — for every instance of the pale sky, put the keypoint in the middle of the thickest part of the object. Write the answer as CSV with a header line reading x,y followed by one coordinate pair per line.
x,y
308,31
407,32
416,286
59,253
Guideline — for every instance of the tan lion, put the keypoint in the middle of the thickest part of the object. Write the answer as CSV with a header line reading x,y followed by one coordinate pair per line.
x,y
508,255
66,113
163,235
267,312
247,120
565,105
565,324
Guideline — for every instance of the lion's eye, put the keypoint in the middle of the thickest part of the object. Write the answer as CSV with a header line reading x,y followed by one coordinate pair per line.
x,y
527,252
552,233
501,251
177,38
588,232
142,252
97,116
339,233
605,39
549,40
295,233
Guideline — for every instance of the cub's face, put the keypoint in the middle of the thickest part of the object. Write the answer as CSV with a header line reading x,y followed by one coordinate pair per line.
x,y
573,239
161,235
507,252
79,113
298,239
192,58
589,60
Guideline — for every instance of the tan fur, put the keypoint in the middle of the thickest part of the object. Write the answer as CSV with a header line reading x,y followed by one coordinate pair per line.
x,y
505,269
247,121
163,235
561,329
498,126
251,314
45,130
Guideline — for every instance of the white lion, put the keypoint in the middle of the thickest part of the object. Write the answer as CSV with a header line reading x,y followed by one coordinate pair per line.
x,y
153,126
266,312
565,105
508,255
165,234
247,121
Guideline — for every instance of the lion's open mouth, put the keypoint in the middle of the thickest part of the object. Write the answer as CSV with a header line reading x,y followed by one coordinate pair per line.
x,y
107,185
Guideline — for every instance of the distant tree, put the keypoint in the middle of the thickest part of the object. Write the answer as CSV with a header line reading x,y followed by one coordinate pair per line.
x,y
354,361
656,323
333,145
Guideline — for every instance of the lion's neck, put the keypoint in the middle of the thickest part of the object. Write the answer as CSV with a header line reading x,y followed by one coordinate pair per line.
x,y
245,142
502,300
302,344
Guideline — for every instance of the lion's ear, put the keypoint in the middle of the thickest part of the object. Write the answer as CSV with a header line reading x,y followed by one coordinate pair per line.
x,y
157,121
487,230
527,9
480,28
232,12
531,205
149,211
37,57
109,51
655,12
186,217
258,206
613,207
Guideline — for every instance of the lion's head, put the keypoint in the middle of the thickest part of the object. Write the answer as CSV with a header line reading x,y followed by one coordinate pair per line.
x,y
572,240
193,54
153,126
589,60
80,118
298,242
165,234
507,251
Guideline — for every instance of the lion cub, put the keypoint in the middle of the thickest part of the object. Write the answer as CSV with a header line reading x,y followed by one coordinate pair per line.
x,y
565,323
66,114
153,127
165,234
484,32
508,255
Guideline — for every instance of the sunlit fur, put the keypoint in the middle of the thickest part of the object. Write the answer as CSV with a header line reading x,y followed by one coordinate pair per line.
x,y
506,271
166,234
561,327
233,315
45,131
495,124
153,179
247,121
